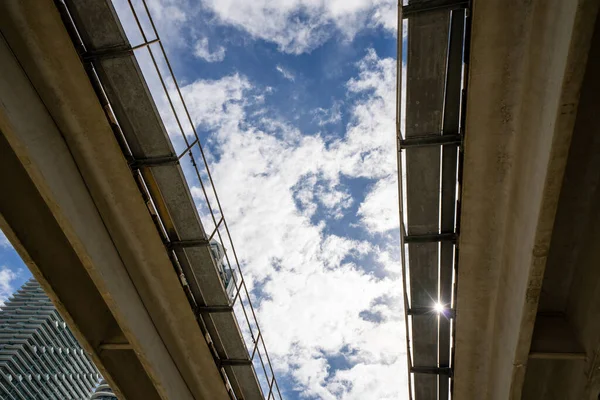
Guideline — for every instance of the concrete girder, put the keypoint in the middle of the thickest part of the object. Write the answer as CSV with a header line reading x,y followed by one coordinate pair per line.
x,y
77,218
527,64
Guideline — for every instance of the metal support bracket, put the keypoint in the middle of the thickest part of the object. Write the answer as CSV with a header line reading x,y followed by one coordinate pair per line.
x,y
418,7
214,309
115,346
431,238
113,52
109,52
431,140
153,162
432,370
182,244
232,362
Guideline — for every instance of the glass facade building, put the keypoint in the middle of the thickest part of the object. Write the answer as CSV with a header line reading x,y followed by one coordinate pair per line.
x,y
39,356
228,275
103,392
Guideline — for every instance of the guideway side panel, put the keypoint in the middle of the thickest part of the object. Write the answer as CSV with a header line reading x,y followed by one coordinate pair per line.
x,y
426,66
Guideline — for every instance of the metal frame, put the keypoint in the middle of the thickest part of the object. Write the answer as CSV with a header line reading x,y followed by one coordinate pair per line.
x,y
431,238
431,140
250,314
152,162
137,165
450,138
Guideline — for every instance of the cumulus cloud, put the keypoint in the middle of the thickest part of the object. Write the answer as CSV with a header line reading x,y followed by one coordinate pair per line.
x,y
285,73
217,103
379,210
319,298
7,277
295,26
202,50
298,26
332,115
279,188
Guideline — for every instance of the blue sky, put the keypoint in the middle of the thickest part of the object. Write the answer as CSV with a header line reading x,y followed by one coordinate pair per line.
x,y
295,104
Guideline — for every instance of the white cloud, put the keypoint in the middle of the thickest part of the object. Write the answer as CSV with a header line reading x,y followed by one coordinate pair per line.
x,y
298,26
217,103
332,115
335,200
285,73
278,187
6,287
368,381
202,50
4,241
379,211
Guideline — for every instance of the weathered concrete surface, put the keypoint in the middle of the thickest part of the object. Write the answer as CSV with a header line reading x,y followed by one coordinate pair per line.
x,y
526,68
571,286
71,158
64,249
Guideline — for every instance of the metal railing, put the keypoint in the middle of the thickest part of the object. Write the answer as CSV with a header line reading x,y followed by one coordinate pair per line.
x,y
241,303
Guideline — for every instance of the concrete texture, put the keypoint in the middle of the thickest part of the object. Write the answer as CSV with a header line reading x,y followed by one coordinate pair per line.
x,y
571,285
107,269
526,70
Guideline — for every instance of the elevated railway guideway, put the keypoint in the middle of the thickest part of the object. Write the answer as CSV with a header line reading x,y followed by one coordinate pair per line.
x,y
499,179
430,132
101,211
528,298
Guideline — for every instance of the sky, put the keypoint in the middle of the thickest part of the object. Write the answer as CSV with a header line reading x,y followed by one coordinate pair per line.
x,y
294,102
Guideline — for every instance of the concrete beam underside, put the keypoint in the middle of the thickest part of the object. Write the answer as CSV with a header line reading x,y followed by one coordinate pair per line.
x,y
78,220
526,69
571,287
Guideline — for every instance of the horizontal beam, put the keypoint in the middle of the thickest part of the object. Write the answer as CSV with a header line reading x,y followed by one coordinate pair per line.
x,y
431,238
234,362
153,161
115,346
214,309
557,356
111,52
431,140
448,313
418,7
432,370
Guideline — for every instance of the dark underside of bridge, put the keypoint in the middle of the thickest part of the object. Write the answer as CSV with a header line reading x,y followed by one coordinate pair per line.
x,y
564,360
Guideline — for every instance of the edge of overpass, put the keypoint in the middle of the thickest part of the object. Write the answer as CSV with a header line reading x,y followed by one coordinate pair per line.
x,y
98,236
527,64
